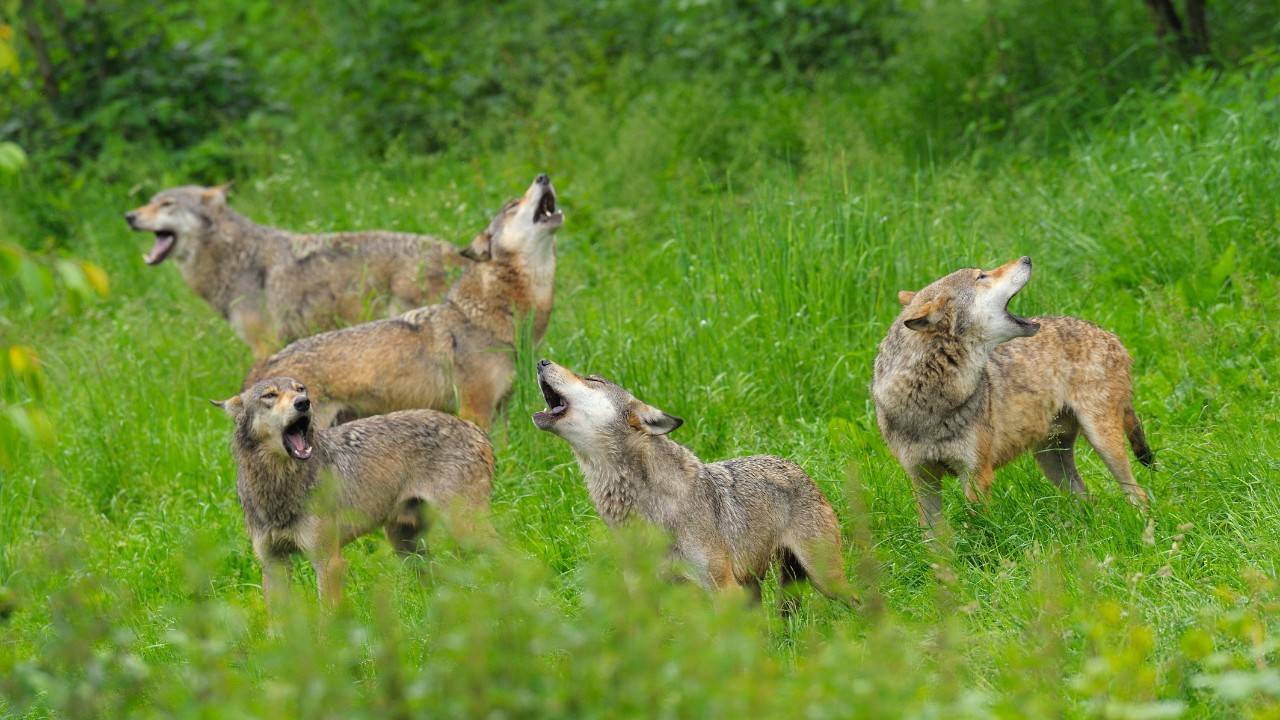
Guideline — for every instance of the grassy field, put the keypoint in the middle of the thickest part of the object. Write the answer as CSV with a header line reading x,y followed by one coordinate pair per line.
x,y
733,260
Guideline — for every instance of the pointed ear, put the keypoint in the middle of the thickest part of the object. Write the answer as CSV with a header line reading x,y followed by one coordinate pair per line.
x,y
232,406
651,420
925,316
905,297
480,249
217,193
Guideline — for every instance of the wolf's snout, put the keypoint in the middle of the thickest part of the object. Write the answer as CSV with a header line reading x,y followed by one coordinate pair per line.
x,y
131,217
302,404
1025,260
542,179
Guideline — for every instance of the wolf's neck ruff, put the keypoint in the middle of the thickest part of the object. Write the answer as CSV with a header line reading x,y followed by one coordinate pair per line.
x,y
228,263
938,377
498,294
273,487
639,475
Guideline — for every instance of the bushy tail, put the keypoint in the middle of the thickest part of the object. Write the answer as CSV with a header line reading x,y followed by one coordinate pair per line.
x,y
1138,438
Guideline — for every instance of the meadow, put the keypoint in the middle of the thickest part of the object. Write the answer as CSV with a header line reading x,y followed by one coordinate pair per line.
x,y
731,252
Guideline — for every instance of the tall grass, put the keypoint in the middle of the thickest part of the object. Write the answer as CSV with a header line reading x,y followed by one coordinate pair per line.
x,y
733,260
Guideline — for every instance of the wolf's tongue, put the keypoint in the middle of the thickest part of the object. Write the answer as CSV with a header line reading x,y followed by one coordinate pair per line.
x,y
298,444
164,243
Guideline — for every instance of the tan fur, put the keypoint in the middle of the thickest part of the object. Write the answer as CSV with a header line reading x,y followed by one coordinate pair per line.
x,y
456,356
961,390
729,521
380,471
274,286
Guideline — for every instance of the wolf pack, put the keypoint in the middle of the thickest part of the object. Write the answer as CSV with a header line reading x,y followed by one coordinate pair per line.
x,y
345,423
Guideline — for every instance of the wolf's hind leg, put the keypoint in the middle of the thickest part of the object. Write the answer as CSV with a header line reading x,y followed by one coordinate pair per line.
x,y
405,530
1105,432
813,542
1057,460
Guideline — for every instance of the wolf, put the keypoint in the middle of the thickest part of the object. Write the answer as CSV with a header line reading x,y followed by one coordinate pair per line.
x,y
457,355
729,520
311,491
274,286
963,386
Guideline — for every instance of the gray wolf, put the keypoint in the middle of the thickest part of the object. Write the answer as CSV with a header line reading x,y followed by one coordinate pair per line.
x,y
455,356
962,386
274,286
311,491
729,520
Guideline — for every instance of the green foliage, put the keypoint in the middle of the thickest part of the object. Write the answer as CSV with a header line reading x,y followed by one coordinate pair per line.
x,y
433,78
738,224
115,76
1029,71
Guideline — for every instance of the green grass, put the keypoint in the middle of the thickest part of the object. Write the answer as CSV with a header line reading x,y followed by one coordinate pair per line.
x,y
735,262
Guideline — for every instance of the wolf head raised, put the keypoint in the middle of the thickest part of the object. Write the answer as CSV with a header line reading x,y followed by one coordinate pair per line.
x,y
523,227
971,304
181,218
274,414
594,414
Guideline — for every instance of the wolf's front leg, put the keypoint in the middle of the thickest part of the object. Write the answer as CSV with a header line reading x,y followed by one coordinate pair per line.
x,y
330,571
926,484
276,576
977,483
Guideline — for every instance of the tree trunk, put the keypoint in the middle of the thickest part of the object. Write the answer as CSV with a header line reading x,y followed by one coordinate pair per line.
x,y
1197,28
31,27
1191,40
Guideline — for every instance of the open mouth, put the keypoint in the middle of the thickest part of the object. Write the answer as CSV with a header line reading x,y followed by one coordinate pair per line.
x,y
165,241
557,406
546,210
1031,326
295,438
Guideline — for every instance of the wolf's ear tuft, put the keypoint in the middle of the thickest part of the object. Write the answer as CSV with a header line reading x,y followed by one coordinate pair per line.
x,y
925,317
651,420
905,297
480,249
231,406
217,193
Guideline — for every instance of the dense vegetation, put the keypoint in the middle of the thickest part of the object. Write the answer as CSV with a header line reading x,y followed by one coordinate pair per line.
x,y
747,185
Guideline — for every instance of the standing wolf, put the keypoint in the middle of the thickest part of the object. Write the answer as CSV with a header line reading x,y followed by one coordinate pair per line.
x,y
384,470
729,520
457,355
962,386
275,286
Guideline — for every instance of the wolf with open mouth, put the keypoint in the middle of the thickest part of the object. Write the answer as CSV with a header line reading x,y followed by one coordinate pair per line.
x,y
275,286
962,386
386,472
730,520
457,355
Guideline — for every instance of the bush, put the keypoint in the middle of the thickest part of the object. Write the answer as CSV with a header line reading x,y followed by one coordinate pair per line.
x,y
427,77
99,73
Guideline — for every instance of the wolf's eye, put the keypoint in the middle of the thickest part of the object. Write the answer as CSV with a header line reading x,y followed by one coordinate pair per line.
x,y
982,276
299,388
166,203
270,395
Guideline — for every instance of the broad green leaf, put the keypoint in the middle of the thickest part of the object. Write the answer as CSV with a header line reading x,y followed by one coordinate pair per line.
x,y
74,278
97,278
8,54
12,158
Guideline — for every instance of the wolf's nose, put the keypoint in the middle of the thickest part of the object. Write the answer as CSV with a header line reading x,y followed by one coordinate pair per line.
x,y
302,404
542,179
1026,260
543,363
129,217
